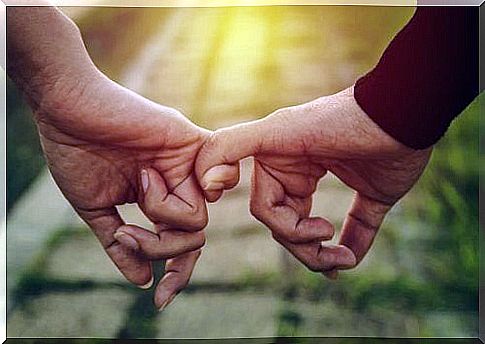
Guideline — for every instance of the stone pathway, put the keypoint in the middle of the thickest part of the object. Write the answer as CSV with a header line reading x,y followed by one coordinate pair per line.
x,y
71,315
220,315
219,66
31,222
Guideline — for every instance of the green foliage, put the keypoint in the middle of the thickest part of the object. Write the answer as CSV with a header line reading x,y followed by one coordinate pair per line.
x,y
288,322
450,189
35,281
24,154
141,319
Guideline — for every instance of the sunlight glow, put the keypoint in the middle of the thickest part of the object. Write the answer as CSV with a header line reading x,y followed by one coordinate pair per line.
x,y
211,3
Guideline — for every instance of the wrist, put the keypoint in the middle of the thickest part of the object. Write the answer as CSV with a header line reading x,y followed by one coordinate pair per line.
x,y
59,91
46,54
373,138
64,103
343,128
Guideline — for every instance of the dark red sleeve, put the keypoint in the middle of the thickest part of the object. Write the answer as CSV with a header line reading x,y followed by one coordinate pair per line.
x,y
427,75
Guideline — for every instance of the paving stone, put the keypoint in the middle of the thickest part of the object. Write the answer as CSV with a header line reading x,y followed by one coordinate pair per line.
x,y
329,320
99,313
233,259
225,315
33,219
449,324
81,257
132,214
332,203
205,315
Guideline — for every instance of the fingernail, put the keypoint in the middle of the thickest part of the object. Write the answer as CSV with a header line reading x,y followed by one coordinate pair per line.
x,y
214,186
144,180
166,303
148,285
126,240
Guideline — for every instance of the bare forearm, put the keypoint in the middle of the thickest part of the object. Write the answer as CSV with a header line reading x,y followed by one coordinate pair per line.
x,y
45,52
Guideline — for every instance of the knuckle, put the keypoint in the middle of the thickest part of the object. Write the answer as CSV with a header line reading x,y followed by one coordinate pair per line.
x,y
292,239
173,112
198,219
219,141
355,264
288,236
220,135
200,242
214,139
151,210
281,112
284,234
158,251
330,231
202,221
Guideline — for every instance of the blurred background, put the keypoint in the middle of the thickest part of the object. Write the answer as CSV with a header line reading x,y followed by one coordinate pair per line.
x,y
221,66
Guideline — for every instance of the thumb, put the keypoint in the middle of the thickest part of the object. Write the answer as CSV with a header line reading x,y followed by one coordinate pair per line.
x,y
217,164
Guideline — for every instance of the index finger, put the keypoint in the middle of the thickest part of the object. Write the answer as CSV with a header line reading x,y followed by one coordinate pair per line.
x,y
319,257
165,243
271,205
104,223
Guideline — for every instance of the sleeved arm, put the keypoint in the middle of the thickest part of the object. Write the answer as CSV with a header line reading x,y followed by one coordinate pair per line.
x,y
427,75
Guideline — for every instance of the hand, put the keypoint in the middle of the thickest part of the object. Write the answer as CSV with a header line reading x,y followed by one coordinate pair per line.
x,y
107,146
293,149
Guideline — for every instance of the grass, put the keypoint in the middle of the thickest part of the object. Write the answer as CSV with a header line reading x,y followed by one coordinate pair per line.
x,y
35,281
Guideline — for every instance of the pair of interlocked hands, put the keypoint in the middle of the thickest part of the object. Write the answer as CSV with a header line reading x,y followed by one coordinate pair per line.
x,y
107,146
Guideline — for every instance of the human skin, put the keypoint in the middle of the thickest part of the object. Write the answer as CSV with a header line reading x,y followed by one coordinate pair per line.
x,y
107,146
293,148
